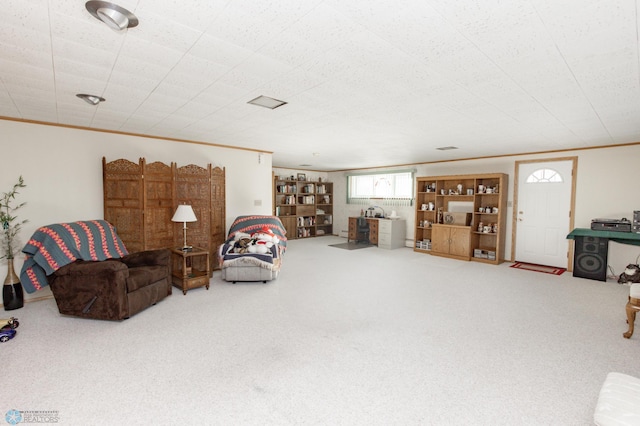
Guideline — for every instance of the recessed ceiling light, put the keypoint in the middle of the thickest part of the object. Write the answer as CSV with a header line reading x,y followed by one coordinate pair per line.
x,y
267,102
446,148
90,99
116,17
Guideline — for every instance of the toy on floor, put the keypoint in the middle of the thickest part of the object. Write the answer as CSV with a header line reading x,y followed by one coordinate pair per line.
x,y
7,328
6,334
630,275
9,323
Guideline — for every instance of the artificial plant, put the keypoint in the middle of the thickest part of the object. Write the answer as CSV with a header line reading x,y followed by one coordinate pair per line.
x,y
9,220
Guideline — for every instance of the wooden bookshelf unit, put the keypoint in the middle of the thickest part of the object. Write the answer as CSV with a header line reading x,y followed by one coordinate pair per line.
x,y
482,196
304,207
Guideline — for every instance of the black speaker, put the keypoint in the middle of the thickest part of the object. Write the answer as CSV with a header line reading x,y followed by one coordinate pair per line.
x,y
590,258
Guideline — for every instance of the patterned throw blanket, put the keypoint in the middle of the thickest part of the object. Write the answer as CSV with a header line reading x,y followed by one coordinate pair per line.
x,y
251,224
54,246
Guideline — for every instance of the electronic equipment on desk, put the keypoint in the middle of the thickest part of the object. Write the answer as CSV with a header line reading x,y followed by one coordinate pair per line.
x,y
636,221
615,225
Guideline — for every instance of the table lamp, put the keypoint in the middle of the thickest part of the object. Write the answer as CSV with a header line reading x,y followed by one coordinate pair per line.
x,y
184,213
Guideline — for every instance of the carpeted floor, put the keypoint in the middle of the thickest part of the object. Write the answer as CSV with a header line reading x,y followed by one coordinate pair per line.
x,y
361,337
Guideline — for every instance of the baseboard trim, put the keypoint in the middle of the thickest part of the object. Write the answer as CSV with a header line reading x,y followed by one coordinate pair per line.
x,y
35,299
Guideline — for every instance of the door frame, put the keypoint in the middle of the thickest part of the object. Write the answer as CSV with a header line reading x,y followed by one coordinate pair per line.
x,y
514,227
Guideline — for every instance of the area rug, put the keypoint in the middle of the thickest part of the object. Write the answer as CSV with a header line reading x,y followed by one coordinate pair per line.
x,y
350,246
539,268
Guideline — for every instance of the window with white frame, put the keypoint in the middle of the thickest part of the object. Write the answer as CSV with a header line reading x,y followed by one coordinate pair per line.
x,y
391,188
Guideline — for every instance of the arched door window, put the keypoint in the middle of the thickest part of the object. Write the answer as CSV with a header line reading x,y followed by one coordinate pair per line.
x,y
544,176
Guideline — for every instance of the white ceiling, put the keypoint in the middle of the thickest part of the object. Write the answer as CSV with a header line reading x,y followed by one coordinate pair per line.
x,y
368,82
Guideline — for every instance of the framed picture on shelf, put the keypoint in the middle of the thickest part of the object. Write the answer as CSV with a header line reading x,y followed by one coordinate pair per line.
x,y
302,177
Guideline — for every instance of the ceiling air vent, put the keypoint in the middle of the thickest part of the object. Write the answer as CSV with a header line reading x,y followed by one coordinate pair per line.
x,y
267,102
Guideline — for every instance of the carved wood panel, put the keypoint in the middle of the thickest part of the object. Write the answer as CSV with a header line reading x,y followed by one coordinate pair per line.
x,y
158,205
140,200
192,187
218,209
122,181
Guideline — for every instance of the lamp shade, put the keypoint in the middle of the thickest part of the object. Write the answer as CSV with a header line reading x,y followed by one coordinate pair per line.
x,y
184,213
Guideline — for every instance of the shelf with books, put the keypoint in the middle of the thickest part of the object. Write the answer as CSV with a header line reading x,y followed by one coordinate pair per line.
x,y
304,207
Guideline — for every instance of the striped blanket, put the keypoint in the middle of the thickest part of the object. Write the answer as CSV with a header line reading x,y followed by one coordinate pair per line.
x,y
54,246
251,224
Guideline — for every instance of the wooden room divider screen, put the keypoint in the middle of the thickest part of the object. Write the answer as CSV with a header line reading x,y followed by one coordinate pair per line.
x,y
140,199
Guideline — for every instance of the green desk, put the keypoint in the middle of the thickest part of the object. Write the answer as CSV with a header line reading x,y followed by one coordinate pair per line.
x,y
618,237
592,248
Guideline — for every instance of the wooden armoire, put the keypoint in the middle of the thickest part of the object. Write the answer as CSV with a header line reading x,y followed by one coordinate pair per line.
x,y
140,200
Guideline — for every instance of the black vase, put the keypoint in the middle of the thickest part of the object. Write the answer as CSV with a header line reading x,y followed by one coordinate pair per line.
x,y
12,293
12,296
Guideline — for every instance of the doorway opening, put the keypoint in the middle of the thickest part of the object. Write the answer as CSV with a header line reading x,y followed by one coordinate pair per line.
x,y
543,211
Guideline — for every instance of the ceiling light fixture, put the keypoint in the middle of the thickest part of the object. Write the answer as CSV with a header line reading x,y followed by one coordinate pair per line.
x,y
446,148
116,17
90,99
267,102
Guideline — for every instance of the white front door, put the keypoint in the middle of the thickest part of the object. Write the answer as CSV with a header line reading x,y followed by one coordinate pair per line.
x,y
543,212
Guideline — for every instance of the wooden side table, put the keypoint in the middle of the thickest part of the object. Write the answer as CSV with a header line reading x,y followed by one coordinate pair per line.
x,y
190,268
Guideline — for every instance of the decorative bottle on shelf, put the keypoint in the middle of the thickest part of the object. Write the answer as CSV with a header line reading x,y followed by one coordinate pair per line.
x,y
480,227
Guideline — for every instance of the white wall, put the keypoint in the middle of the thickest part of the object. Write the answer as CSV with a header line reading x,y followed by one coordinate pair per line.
x,y
606,187
62,168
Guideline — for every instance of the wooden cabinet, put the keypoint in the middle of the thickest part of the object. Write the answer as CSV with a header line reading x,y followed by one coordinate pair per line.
x,y
352,234
140,200
451,241
373,231
289,223
304,207
483,196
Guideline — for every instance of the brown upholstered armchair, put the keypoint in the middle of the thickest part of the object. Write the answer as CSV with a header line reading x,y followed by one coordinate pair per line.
x,y
112,289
